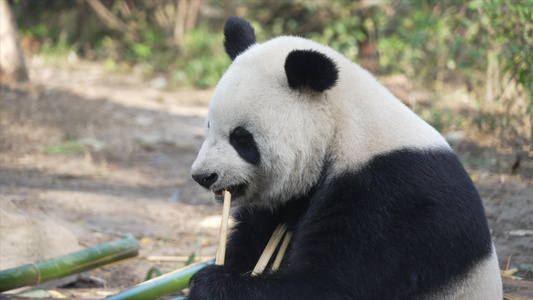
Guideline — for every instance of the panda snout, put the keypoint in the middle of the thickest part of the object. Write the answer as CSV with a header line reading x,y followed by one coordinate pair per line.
x,y
205,180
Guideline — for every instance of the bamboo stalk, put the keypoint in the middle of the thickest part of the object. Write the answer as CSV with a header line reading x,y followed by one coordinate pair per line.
x,y
162,285
68,264
269,249
281,251
221,253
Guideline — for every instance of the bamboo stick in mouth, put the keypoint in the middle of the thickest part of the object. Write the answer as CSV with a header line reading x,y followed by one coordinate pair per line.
x,y
221,253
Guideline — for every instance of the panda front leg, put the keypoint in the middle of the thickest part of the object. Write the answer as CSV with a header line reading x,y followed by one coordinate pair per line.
x,y
218,282
246,243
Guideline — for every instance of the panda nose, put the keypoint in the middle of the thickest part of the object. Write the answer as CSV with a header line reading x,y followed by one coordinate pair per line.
x,y
205,180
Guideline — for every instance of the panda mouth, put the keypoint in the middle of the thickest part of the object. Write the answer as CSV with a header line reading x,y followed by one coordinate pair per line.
x,y
235,190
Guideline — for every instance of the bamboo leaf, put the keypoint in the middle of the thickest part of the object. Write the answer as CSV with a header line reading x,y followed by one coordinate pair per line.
x,y
151,273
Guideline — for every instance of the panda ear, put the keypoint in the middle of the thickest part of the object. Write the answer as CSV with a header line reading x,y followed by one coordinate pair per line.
x,y
309,69
238,36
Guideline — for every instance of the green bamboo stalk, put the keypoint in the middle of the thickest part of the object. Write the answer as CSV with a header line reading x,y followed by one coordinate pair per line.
x,y
162,285
68,264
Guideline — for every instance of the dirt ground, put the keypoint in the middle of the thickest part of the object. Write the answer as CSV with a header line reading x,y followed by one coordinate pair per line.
x,y
86,153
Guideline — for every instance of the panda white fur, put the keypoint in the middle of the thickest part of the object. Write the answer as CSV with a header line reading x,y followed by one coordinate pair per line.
x,y
380,206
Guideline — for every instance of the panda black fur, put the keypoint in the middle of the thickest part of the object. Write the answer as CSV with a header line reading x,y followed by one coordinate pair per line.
x,y
380,206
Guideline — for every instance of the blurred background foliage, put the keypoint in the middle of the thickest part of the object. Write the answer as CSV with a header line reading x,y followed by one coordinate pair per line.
x,y
479,52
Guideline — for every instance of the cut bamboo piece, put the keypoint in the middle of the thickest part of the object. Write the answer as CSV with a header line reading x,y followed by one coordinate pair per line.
x,y
269,249
221,253
281,251
68,264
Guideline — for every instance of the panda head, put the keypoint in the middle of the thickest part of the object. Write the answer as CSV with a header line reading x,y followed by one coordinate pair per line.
x,y
269,122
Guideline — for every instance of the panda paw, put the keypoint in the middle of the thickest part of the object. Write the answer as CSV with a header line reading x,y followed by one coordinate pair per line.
x,y
210,282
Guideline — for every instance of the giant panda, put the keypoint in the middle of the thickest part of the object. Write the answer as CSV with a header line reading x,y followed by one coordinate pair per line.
x,y
380,206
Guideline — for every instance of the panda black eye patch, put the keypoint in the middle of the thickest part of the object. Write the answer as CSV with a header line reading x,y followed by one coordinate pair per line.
x,y
244,143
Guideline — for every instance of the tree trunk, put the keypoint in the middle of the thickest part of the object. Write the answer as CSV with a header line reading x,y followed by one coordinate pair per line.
x,y
192,14
368,53
110,19
12,66
179,22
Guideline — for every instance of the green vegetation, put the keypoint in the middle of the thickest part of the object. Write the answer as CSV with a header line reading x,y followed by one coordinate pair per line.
x,y
75,146
483,48
68,146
